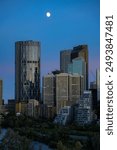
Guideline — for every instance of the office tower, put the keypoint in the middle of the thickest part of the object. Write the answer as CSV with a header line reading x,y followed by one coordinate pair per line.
x,y
27,70
78,66
65,59
83,111
48,83
98,84
76,87
1,86
61,90
69,88
81,51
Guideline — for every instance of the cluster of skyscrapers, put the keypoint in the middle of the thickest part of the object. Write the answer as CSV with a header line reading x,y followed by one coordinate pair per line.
x,y
64,92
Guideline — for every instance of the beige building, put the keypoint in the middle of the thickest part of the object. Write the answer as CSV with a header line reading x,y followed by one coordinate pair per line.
x,y
1,91
49,90
76,87
62,87
69,88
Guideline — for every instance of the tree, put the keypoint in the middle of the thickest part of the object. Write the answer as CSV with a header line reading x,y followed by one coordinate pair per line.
x,y
78,145
60,146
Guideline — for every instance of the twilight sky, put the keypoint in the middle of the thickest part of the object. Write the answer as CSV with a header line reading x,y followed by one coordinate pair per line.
x,y
72,22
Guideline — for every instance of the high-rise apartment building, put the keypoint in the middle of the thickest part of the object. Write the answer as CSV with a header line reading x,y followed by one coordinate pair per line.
x,y
62,89
1,88
69,88
76,87
62,93
48,83
81,51
78,66
65,59
27,70
83,111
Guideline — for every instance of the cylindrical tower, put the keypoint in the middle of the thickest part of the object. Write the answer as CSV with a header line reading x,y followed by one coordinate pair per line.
x,y
27,70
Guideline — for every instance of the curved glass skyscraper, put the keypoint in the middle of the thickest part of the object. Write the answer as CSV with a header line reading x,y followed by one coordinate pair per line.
x,y
27,70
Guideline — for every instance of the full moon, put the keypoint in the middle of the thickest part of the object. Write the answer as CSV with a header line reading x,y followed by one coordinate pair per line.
x,y
48,14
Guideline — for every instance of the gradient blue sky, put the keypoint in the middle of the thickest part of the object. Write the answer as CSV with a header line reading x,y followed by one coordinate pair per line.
x,y
72,22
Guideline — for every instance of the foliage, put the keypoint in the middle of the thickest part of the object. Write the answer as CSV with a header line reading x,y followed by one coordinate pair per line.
x,y
78,145
13,141
45,131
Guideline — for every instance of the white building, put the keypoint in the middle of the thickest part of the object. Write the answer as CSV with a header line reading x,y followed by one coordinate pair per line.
x,y
49,90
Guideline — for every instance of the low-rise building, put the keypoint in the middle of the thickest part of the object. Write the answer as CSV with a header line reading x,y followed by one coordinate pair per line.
x,y
45,111
64,116
11,105
4,109
32,107
21,107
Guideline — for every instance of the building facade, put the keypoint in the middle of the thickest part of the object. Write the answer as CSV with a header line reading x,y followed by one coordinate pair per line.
x,y
21,107
11,105
27,70
69,88
93,85
76,87
65,116
81,51
62,89
83,110
65,59
1,92
48,84
62,93
32,108
78,66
